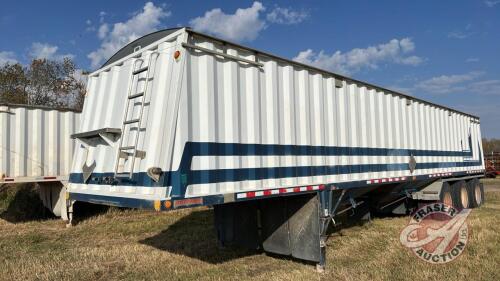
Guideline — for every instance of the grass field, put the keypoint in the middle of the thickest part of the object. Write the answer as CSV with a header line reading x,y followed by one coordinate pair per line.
x,y
180,245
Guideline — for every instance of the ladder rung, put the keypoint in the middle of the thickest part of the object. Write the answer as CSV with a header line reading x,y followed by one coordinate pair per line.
x,y
127,147
131,121
136,95
140,70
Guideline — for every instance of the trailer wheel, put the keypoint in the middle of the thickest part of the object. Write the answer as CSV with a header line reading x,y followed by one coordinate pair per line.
x,y
446,195
476,193
461,195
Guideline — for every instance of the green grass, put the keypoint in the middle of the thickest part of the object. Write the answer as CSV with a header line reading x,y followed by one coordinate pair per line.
x,y
181,245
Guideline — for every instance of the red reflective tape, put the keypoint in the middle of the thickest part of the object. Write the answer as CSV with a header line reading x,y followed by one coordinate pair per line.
x,y
282,190
267,192
188,202
296,189
321,186
251,194
49,178
309,188
8,179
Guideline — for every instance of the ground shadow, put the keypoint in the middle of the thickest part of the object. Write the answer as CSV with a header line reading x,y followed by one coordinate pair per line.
x,y
194,236
21,203
83,211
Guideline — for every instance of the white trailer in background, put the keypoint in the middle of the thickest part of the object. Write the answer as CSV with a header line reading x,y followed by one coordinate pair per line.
x,y
179,119
35,146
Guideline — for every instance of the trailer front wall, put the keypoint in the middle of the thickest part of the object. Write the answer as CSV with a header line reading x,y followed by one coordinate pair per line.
x,y
35,143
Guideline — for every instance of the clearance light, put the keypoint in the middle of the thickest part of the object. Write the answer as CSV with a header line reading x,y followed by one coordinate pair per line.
x,y
177,55
168,204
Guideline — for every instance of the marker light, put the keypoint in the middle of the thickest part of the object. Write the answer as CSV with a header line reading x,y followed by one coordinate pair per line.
x,y
177,54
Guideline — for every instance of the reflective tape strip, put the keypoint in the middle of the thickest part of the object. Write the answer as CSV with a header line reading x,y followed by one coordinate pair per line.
x,y
375,181
269,192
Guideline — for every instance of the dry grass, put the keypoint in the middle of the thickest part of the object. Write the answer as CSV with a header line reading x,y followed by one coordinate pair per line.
x,y
180,245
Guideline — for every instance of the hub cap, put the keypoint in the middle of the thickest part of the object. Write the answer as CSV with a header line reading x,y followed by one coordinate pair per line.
x,y
447,199
477,193
464,197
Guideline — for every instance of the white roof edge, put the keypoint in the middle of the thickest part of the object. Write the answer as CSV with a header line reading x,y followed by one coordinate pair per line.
x,y
148,47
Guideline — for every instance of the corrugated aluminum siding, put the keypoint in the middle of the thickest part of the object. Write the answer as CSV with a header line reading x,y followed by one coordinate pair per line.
x,y
223,101
36,142
288,104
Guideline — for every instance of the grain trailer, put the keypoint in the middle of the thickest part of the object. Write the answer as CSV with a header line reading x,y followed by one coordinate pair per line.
x,y
179,119
35,146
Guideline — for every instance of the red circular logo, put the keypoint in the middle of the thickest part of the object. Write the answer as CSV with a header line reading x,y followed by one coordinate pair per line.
x,y
437,233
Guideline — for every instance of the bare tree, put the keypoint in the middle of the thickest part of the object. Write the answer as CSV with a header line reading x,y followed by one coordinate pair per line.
x,y
44,82
13,84
491,145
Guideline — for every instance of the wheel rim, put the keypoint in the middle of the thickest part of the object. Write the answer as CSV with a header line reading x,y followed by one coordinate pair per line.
x,y
477,194
447,199
464,197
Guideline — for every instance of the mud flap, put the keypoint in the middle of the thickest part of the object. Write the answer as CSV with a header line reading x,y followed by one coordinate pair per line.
x,y
284,225
291,226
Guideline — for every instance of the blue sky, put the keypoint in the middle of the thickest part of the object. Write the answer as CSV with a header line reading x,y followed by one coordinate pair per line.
x,y
443,51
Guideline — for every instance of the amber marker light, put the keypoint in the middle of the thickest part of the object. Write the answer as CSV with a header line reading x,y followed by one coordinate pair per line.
x,y
168,204
177,54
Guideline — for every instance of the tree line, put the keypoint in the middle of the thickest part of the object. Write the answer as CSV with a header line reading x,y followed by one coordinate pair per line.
x,y
491,145
53,83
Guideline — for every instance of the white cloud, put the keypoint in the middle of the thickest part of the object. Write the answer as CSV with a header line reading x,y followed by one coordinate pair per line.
x,y
459,34
102,14
286,16
491,3
88,22
103,31
394,51
447,83
486,87
467,82
244,25
472,60
81,76
7,57
46,51
112,39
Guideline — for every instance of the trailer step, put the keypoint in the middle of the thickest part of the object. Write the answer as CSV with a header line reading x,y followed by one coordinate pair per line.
x,y
131,121
140,70
136,95
127,147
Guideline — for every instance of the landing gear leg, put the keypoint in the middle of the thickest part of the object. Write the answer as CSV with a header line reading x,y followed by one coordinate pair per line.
x,y
70,213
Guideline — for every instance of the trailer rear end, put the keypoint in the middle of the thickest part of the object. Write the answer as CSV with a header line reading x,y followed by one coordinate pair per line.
x,y
277,147
35,146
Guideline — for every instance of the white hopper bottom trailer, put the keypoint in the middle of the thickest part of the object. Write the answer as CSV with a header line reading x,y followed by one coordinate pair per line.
x,y
179,119
36,147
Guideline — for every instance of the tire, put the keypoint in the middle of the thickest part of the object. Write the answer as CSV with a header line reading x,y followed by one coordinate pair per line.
x,y
446,195
461,194
480,194
476,193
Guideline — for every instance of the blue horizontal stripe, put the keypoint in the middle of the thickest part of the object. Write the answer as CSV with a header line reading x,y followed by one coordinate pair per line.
x,y
192,149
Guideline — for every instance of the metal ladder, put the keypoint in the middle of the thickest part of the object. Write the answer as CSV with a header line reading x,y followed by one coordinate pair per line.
x,y
124,152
